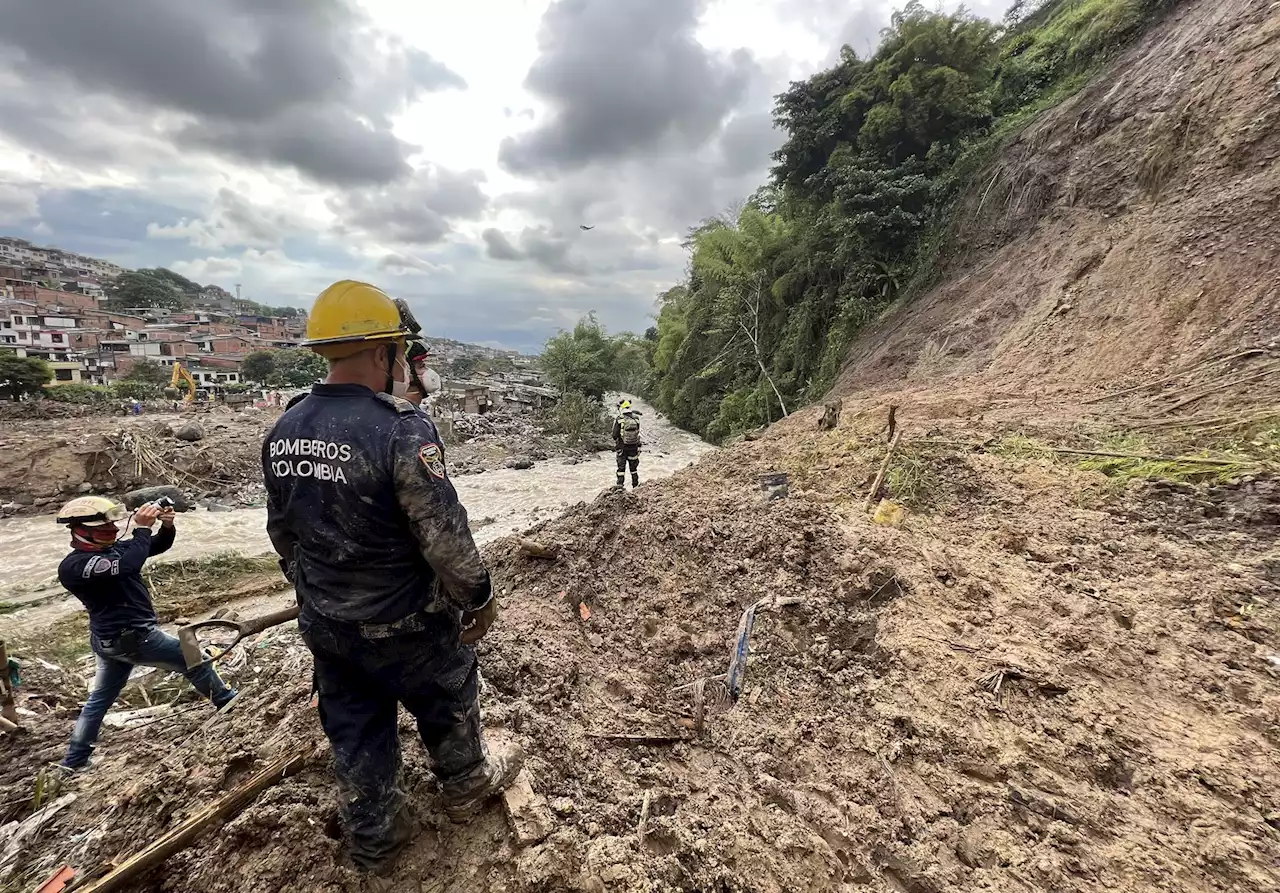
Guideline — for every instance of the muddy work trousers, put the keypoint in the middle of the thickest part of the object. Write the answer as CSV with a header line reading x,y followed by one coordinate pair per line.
x,y
629,456
362,680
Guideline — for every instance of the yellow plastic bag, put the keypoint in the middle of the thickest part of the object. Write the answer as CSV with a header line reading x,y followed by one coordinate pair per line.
x,y
889,513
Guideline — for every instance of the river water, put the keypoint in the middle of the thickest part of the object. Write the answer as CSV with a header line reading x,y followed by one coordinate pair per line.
x,y
498,502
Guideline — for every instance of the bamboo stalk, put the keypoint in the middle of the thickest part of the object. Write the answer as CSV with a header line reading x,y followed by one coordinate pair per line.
x,y
1190,460
1208,364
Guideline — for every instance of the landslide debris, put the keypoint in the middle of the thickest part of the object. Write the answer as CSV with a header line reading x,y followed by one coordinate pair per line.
x,y
1014,689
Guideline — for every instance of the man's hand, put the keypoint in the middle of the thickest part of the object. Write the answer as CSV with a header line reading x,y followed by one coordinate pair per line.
x,y
147,515
476,623
167,516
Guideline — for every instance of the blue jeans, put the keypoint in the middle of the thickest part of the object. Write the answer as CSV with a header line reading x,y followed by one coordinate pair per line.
x,y
154,648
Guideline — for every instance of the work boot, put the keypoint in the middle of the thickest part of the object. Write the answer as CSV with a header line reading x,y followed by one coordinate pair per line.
x,y
464,797
379,857
635,481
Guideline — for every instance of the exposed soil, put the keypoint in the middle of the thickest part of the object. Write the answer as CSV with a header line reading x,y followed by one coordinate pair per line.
x,y
1129,229
44,462
1009,691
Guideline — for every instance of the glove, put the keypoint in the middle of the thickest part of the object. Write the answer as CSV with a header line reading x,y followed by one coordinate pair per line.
x,y
476,623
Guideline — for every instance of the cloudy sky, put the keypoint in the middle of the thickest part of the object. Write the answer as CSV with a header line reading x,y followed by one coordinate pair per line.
x,y
448,152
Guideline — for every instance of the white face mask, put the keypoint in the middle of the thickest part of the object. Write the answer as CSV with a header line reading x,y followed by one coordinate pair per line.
x,y
400,386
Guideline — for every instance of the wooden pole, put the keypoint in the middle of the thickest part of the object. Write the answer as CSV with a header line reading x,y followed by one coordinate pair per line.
x,y
180,837
884,467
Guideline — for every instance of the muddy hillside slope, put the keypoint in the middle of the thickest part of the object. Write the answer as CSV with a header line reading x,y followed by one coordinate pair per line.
x,y
1130,228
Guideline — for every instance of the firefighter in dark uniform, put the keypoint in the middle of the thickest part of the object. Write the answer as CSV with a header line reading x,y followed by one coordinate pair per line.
x,y
394,593
626,443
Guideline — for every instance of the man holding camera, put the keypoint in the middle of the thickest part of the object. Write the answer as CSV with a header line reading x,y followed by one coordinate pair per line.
x,y
106,575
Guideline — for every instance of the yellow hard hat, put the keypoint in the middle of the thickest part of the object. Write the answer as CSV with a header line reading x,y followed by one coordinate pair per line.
x,y
91,511
348,315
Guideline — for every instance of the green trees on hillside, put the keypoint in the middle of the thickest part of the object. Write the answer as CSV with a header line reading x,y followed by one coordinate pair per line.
x,y
877,151
147,372
587,360
583,364
142,288
20,376
284,368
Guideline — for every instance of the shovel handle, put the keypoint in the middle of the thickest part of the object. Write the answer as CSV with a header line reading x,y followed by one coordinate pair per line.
x,y
258,624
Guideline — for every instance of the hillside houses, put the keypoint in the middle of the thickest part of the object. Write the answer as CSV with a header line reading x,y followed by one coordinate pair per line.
x,y
86,343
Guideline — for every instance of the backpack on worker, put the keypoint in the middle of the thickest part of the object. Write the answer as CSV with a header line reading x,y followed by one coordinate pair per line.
x,y
629,430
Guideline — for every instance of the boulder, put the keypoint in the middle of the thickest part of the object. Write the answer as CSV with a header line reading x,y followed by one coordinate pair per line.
x,y
519,463
188,431
135,498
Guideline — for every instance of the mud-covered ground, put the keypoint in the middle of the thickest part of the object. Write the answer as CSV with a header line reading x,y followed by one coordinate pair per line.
x,y
1039,680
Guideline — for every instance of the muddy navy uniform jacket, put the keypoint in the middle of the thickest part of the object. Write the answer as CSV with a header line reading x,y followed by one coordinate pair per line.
x,y
358,497
109,583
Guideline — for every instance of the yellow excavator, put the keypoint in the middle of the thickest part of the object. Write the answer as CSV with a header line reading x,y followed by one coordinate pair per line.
x,y
180,374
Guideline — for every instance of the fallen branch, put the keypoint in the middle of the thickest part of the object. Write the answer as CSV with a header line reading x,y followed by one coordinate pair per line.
x,y
535,549
1190,460
28,828
180,837
636,740
1225,386
884,467
1142,387
7,725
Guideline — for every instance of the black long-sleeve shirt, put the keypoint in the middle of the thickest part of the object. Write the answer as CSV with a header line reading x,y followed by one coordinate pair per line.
x,y
109,582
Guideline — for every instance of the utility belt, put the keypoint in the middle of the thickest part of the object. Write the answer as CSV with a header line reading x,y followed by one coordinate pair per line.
x,y
127,641
422,619
416,622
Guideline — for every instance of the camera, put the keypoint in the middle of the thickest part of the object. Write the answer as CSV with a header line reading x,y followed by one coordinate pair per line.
x,y
165,502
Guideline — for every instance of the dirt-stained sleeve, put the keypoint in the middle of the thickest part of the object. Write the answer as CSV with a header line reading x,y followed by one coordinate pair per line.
x,y
283,539
439,520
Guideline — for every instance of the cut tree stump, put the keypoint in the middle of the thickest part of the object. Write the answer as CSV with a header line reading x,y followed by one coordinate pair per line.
x,y
830,415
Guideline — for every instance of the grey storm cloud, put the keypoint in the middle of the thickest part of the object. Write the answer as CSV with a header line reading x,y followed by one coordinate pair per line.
x,y
499,247
621,78
415,212
231,222
306,84
538,244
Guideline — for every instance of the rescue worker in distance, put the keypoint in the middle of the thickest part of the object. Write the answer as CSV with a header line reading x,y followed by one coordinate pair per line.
x,y
394,593
626,443
124,632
